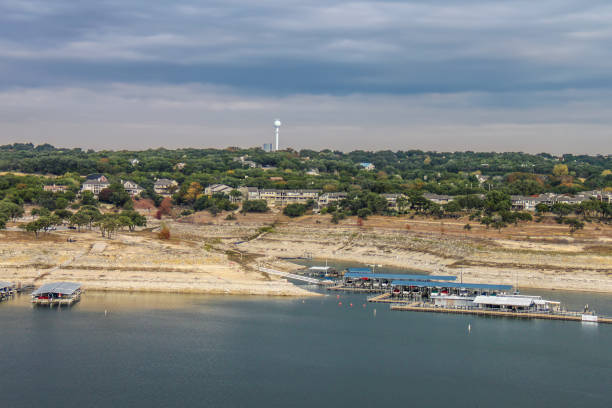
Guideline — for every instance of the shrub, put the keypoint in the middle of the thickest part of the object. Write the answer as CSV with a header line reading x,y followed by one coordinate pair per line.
x,y
294,210
259,206
363,213
164,233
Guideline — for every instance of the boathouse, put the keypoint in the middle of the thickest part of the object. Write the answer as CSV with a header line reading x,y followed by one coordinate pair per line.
x,y
60,293
7,289
445,294
384,280
516,303
322,272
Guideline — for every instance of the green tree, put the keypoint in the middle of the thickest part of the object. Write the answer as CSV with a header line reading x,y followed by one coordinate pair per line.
x,y
87,198
79,219
10,209
259,206
294,210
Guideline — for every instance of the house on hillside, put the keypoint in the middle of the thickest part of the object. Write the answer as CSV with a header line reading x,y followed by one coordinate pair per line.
x,y
438,198
55,188
165,187
132,188
327,198
243,161
284,197
250,193
95,183
218,188
525,203
392,201
367,166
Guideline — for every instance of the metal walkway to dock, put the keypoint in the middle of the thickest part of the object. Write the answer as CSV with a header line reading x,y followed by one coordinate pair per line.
x,y
291,276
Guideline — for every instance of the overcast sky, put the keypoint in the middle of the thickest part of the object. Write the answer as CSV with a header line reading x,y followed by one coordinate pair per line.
x,y
434,74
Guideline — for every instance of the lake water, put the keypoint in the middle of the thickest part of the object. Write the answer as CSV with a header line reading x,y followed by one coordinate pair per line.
x,y
153,350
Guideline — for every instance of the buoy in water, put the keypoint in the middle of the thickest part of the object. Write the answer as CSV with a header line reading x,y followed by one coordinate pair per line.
x,y
337,296
364,305
339,303
351,305
469,328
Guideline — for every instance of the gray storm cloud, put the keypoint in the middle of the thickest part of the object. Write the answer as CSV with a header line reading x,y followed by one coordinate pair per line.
x,y
444,75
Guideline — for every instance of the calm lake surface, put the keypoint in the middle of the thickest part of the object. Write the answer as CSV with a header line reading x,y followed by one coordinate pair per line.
x,y
152,350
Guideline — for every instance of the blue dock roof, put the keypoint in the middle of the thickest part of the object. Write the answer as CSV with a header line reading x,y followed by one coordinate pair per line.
x,y
395,276
432,284
359,270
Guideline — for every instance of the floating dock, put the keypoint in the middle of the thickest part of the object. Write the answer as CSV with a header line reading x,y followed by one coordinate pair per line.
x,y
57,293
568,316
7,290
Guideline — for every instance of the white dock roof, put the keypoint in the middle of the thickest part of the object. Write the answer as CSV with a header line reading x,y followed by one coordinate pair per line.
x,y
504,301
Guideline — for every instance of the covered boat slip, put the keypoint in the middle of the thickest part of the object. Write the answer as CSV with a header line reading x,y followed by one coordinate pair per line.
x,y
469,296
356,278
7,290
57,293
445,294
321,272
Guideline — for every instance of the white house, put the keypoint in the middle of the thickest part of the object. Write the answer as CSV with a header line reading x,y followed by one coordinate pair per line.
x,y
95,183
132,188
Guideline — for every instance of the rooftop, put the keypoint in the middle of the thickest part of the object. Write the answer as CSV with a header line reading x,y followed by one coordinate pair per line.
x,y
64,288
432,284
394,276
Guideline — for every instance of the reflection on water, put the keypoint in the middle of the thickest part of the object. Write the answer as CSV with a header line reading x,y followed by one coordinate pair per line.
x,y
158,350
195,350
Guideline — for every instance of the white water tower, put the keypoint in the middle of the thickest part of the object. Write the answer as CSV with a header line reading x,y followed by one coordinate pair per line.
x,y
277,125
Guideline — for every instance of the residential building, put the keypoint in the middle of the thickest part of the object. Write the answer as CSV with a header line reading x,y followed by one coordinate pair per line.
x,y
367,166
132,188
165,187
251,193
95,183
439,198
313,172
282,197
525,203
217,188
327,198
55,188
392,200
243,160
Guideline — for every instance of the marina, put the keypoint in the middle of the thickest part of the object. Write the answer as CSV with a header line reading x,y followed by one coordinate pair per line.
x,y
442,294
57,293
